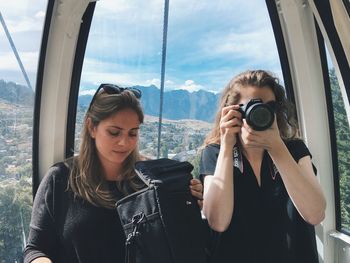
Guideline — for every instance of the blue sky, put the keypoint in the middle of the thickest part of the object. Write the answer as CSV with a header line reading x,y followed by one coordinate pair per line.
x,y
208,42
25,22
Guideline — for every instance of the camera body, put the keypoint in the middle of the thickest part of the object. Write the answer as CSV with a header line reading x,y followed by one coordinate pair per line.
x,y
258,115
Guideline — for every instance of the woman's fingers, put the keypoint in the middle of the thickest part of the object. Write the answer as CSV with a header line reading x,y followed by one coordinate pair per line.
x,y
197,191
226,109
263,139
196,194
229,113
196,188
196,185
231,123
230,117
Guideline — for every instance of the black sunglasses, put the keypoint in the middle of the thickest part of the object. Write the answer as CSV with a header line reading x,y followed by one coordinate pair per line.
x,y
114,89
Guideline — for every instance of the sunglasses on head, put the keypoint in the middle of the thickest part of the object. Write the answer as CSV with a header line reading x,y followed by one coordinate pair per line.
x,y
114,89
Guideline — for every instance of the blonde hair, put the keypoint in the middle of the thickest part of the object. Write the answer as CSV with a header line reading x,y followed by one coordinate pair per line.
x,y
85,179
285,112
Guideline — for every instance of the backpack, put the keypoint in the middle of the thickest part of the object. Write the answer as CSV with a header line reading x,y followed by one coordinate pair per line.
x,y
162,222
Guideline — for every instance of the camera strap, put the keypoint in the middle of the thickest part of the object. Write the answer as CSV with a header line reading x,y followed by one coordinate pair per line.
x,y
273,170
237,159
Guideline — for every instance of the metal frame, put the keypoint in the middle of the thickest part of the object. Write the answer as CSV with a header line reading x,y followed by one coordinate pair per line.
x,y
75,81
56,64
38,93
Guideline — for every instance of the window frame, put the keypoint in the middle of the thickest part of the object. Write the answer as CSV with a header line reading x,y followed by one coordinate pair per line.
x,y
37,99
76,76
324,9
282,50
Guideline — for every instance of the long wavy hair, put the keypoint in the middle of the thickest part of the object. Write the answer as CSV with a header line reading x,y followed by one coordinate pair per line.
x,y
86,179
285,112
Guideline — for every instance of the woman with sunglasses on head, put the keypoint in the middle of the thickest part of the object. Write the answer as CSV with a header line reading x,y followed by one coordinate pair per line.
x,y
74,217
260,188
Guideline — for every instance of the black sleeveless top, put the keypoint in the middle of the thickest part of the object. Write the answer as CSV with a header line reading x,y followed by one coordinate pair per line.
x,y
265,226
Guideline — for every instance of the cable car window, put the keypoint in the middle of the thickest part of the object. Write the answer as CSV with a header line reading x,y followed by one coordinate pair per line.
x,y
202,45
124,48
208,43
341,115
21,26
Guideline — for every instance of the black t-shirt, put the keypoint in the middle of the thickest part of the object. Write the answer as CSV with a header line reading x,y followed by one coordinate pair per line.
x,y
68,229
265,225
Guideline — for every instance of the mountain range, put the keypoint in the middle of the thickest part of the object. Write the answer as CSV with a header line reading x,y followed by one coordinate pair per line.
x,y
177,104
15,93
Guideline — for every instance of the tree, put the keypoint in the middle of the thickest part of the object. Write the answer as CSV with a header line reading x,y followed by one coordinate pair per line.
x,y
15,211
164,150
195,161
343,148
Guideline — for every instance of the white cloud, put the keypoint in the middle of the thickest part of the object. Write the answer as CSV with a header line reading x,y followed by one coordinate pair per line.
x,y
256,46
168,84
96,72
9,62
96,77
208,41
155,82
121,9
191,86
87,92
20,17
40,15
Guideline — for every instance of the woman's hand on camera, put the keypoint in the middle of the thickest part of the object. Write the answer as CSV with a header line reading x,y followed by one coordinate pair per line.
x,y
230,124
267,139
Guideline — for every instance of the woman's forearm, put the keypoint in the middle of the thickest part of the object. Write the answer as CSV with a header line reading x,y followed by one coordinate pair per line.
x,y
218,192
301,184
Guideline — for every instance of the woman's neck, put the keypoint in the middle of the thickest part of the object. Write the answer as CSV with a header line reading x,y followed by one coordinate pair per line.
x,y
253,154
112,171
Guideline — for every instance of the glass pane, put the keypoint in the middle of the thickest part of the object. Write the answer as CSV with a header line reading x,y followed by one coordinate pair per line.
x,y
125,48
341,116
20,35
208,43
342,129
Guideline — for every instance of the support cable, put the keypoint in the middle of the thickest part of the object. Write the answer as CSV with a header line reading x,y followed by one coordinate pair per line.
x,y
12,44
165,33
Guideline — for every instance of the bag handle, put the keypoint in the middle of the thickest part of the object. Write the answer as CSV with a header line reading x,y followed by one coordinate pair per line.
x,y
142,177
147,181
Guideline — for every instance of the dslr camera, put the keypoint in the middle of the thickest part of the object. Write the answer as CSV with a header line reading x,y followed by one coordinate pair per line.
x,y
258,115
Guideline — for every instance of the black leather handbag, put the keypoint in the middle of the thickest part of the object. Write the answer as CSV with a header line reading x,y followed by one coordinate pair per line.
x,y
162,222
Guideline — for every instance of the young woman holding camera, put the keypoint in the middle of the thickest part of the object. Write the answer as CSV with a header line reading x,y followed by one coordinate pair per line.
x,y
260,188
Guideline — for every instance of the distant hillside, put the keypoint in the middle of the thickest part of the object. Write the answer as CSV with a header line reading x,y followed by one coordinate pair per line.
x,y
195,125
178,104
17,94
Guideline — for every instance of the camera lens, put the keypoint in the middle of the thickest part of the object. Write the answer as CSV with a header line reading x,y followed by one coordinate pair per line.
x,y
260,117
